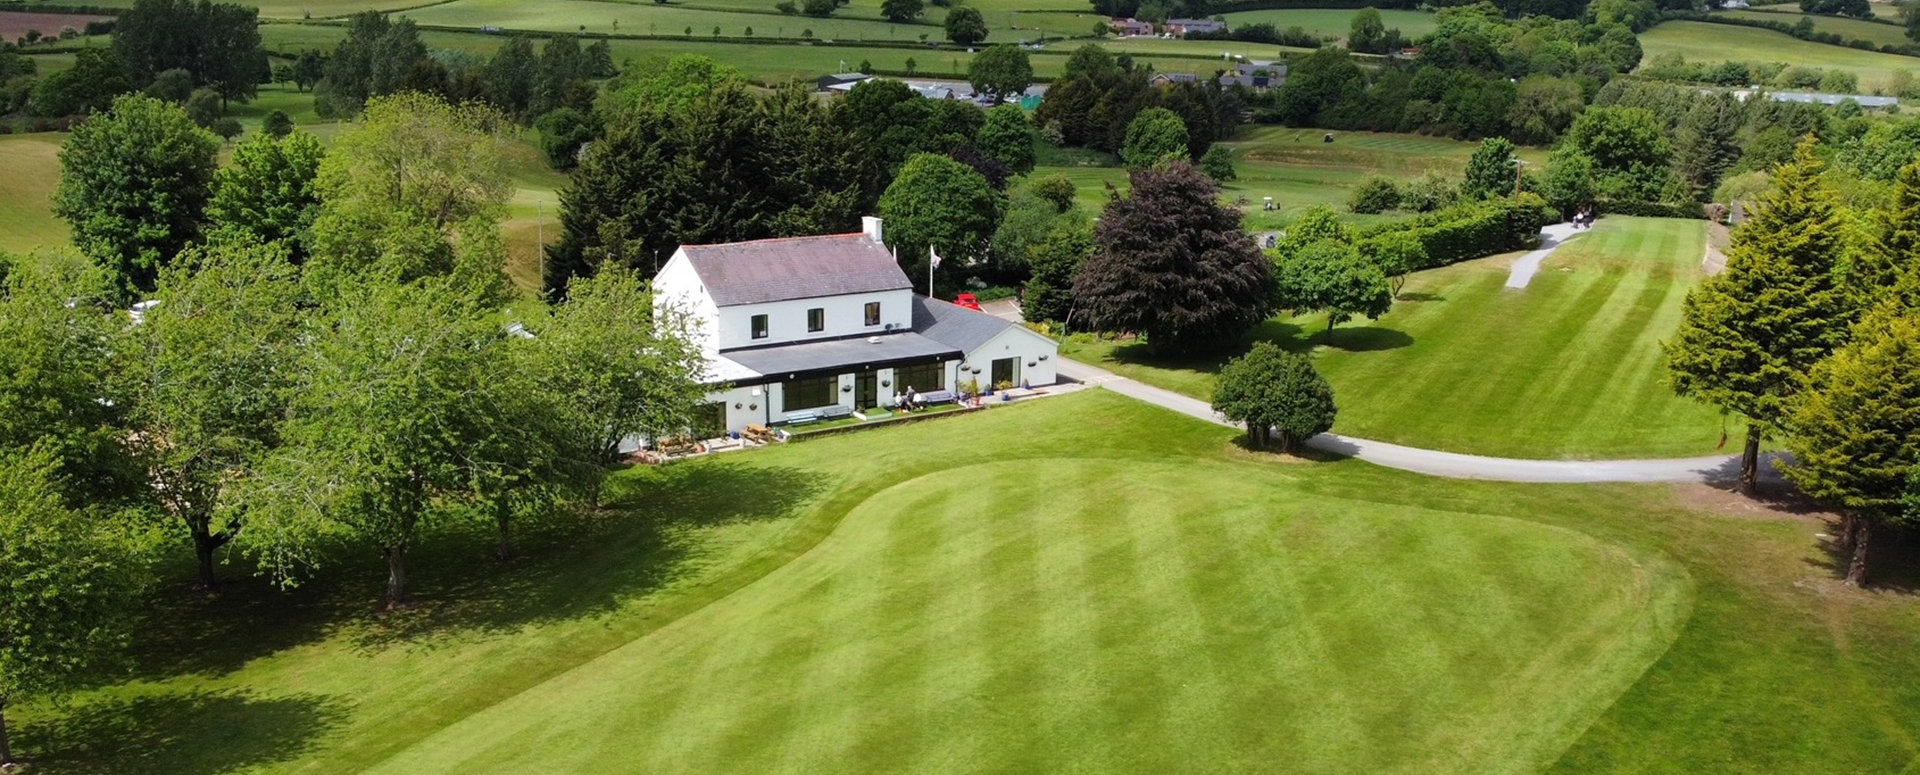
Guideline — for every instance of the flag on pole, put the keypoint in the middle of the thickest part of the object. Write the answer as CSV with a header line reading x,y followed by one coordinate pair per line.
x,y
935,254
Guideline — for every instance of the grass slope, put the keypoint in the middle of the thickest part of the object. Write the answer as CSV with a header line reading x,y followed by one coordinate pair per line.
x,y
1569,367
29,172
1706,42
1073,600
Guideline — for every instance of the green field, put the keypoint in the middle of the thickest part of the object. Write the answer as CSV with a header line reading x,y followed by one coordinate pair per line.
x,y
1335,22
855,22
1852,29
1071,599
1707,42
29,171
1569,367
283,9
1295,167
1880,10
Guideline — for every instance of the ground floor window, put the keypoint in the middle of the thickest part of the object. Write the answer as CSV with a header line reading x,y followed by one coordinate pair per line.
x,y
809,393
1006,370
924,378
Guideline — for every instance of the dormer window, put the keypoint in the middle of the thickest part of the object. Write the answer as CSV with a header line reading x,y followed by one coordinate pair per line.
x,y
816,320
873,313
759,326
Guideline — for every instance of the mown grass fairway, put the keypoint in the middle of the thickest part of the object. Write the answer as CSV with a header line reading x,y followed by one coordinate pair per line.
x,y
1335,22
29,172
1706,42
1569,367
1081,584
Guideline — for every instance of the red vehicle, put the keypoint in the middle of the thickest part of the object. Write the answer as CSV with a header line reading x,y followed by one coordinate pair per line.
x,y
967,300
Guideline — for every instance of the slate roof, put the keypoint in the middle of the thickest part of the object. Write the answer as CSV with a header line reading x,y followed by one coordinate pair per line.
x,y
953,325
839,356
794,268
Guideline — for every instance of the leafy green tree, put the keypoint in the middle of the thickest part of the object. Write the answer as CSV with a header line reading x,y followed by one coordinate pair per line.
x,y
1217,163
901,11
413,181
214,374
1008,137
391,390
58,362
1055,262
1333,277
600,60
664,85
1001,71
277,124
1568,183
69,583
1750,335
1315,224
1278,395
1890,257
819,8
1367,34
203,106
562,132
1706,144
1543,108
375,59
1155,135
93,82
218,43
1398,254
308,69
133,183
1628,145
1028,220
942,205
966,26
1491,170
619,374
1172,263
562,77
1058,189
173,85
268,192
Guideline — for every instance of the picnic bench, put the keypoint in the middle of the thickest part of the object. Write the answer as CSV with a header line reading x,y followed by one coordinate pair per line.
x,y
758,433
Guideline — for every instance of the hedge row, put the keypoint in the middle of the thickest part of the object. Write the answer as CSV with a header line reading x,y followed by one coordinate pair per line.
x,y
1474,230
1792,30
89,10
1231,6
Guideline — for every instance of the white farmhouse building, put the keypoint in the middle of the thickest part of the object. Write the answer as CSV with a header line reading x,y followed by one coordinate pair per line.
x,y
805,326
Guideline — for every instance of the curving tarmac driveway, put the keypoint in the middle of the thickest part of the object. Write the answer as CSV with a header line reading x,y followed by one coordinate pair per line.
x,y
1714,469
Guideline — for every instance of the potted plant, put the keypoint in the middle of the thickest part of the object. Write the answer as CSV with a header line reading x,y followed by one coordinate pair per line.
x,y
1003,387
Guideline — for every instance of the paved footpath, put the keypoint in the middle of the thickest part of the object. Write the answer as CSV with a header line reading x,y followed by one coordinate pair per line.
x,y
1434,462
1551,238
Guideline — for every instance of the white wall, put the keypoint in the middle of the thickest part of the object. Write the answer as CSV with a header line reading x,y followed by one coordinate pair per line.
x,y
678,286
1015,342
787,320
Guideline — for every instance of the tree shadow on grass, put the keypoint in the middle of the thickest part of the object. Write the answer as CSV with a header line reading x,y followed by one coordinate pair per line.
x,y
1419,296
201,733
1893,558
646,536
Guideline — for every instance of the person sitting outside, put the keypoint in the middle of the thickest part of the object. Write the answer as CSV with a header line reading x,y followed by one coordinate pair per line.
x,y
913,399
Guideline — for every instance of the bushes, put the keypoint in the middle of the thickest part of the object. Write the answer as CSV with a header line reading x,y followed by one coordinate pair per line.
x,y
1468,231
1653,209
1376,195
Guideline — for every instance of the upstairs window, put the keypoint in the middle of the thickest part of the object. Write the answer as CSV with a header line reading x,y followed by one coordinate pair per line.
x,y
873,313
759,326
816,320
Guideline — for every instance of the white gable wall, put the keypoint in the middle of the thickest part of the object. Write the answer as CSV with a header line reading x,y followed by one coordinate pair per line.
x,y
678,286
787,320
1038,356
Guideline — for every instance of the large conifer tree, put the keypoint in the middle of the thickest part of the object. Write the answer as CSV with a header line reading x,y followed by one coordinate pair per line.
x,y
1749,336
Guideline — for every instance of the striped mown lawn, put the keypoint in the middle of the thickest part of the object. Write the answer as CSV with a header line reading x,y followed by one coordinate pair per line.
x,y
1708,42
1569,367
29,172
1079,584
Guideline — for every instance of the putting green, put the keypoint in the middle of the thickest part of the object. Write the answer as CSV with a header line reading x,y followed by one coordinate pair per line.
x,y
1109,616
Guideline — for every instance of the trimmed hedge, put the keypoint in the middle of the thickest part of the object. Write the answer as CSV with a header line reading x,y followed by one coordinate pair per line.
x,y
1473,230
